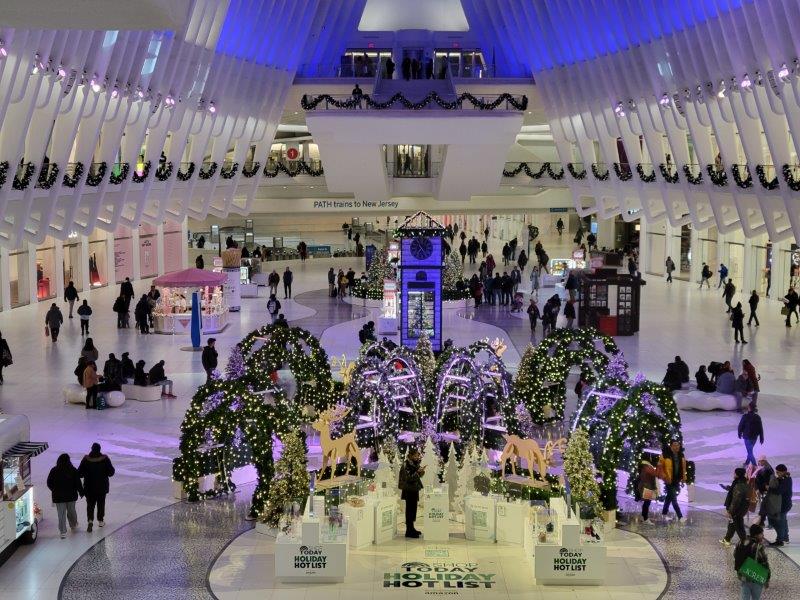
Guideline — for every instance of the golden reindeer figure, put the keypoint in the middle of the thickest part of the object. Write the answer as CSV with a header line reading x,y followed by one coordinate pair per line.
x,y
517,448
552,447
344,446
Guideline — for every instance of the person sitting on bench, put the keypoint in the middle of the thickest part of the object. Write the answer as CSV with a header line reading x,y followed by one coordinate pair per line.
x,y
140,375
158,377
128,369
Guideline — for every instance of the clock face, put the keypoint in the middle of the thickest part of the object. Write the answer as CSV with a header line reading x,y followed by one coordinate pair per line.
x,y
421,248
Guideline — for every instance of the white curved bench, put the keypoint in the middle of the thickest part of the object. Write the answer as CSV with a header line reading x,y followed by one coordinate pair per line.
x,y
142,393
114,399
696,400
74,393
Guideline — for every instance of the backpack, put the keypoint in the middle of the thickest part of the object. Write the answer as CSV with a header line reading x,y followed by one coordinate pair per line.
x,y
271,307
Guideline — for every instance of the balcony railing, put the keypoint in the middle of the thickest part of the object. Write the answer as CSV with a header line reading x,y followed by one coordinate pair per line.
x,y
413,170
432,101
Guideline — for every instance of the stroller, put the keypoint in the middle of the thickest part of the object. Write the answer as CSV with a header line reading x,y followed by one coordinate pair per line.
x,y
516,302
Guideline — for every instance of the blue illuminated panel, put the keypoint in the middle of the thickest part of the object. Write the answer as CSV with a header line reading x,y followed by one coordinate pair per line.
x,y
421,290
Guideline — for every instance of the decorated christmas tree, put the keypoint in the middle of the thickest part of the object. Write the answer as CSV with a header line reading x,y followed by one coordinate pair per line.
x,y
426,363
453,271
290,483
379,269
431,463
464,484
580,471
385,476
527,383
235,367
451,472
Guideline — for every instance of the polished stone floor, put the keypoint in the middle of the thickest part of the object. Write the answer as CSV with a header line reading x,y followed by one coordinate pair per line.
x,y
142,438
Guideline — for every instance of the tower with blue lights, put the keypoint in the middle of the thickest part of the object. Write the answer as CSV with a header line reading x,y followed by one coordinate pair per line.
x,y
421,255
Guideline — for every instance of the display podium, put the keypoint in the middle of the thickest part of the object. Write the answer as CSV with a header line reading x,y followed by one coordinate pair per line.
x,y
510,522
479,517
385,519
566,556
436,515
318,555
362,522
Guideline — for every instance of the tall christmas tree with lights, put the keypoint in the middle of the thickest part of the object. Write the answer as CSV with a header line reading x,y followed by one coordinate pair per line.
x,y
580,471
379,269
453,271
290,483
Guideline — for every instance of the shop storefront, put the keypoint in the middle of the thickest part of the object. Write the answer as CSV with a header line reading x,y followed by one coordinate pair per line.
x,y
18,275
173,241
148,261
123,254
98,258
73,266
46,270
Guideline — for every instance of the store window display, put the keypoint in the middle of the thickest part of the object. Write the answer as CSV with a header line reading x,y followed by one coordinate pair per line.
x,y
98,261
73,269
45,270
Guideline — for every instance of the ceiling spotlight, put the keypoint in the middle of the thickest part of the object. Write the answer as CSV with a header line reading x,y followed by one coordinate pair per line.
x,y
722,89
95,84
115,92
38,65
783,73
619,110
169,101
664,100
746,84
61,73
211,108
3,51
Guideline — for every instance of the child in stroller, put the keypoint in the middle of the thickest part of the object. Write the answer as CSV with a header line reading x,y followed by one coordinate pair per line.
x,y
516,302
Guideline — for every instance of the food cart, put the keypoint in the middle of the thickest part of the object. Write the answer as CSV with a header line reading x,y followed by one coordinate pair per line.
x,y
18,522
173,312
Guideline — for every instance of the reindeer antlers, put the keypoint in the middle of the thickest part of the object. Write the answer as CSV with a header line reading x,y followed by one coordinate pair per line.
x,y
334,414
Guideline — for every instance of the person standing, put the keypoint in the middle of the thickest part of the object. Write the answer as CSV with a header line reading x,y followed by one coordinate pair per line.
x,y
522,261
754,378
779,503
357,94
705,276
462,250
209,358
199,263
516,279
142,314
791,300
273,280
569,312
331,282
410,485
52,321
90,383
669,265
6,360
535,280
273,307
96,469
723,274
84,312
484,249
533,314
737,503
486,233
737,322
126,290
672,471
751,430
153,296
70,295
728,292
631,266
64,482
288,277
560,226
752,547
753,301
389,68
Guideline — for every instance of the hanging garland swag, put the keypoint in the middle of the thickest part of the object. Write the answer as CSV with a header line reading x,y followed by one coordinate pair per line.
x,y
311,103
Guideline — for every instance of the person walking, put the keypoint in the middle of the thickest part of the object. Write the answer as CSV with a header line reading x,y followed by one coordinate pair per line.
x,y
560,226
671,470
84,312
142,314
273,307
705,276
516,279
723,274
121,308
90,383
779,503
522,261
646,489
484,249
753,302
535,280
126,290
569,312
631,266
95,469
6,360
790,300
751,430
410,484
64,483
273,280
752,547
728,292
288,278
70,295
462,250
754,378
737,504
389,68
209,358
52,322
533,314
331,282
89,352
737,322
669,265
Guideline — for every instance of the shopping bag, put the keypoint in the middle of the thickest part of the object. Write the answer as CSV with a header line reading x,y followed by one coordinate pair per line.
x,y
754,571
649,494
46,331
785,310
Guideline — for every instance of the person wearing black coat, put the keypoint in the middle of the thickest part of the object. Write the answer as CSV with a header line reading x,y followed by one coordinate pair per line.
x,y
112,374
791,300
140,375
70,295
288,278
95,469
737,322
209,358
410,484
157,376
142,314
127,367
121,308
753,302
6,359
737,503
751,430
126,291
703,382
682,368
64,482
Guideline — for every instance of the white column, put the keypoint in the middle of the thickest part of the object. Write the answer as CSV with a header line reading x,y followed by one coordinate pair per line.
x,y
606,232
137,267
185,243
58,251
5,278
160,248
111,269
644,250
697,260
32,281
85,278
780,274
748,277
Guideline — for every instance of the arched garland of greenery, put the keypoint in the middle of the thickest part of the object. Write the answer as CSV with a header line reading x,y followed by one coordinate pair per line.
x,y
3,172
694,180
542,375
794,184
212,168
523,166
122,176
145,173
598,175
252,171
164,171
21,183
645,178
773,183
302,168
97,178
646,411
311,103
71,181
575,173
301,352
230,171
745,183
552,174
668,177
718,178
46,180
623,173
181,176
